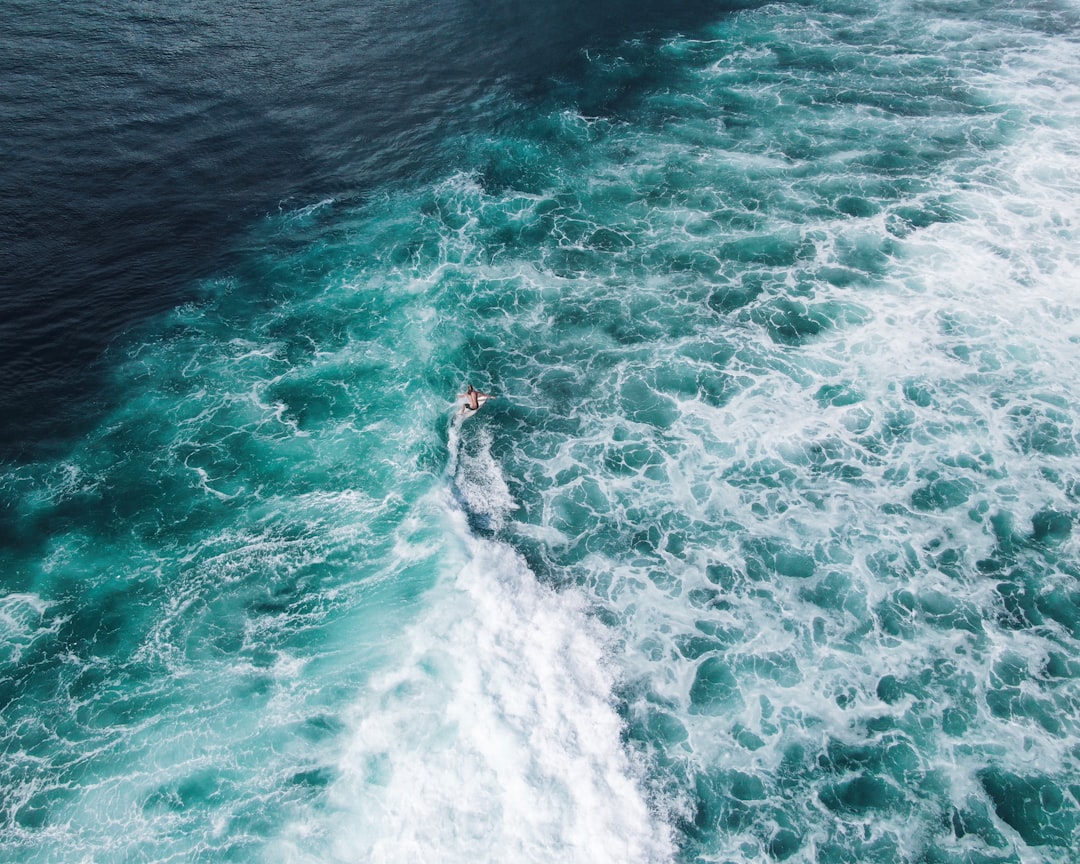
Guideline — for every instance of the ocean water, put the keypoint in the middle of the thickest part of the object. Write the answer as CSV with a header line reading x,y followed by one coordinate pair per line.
x,y
766,549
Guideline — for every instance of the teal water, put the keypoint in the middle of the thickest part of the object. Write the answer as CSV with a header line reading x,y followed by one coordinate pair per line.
x,y
765,551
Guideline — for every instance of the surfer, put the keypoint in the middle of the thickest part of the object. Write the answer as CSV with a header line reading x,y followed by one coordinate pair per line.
x,y
472,398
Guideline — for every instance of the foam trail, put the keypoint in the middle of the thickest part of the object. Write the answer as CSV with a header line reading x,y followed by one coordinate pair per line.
x,y
453,441
493,737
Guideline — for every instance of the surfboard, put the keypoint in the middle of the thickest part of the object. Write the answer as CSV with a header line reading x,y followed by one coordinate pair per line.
x,y
467,412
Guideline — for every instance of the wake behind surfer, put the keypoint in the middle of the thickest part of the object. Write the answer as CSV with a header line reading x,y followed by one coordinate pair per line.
x,y
472,398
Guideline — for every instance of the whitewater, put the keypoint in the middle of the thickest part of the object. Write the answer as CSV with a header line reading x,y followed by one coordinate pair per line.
x,y
765,551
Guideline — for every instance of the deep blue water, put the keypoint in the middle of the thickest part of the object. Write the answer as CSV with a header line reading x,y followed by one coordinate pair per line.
x,y
140,144
765,551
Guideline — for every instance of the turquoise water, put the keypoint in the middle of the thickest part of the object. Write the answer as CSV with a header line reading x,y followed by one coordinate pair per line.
x,y
765,551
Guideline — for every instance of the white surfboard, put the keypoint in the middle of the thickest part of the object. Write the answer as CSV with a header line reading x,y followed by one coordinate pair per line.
x,y
467,412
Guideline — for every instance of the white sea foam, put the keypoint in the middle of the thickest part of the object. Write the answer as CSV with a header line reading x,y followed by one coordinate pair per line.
x,y
969,322
492,735
23,620
480,484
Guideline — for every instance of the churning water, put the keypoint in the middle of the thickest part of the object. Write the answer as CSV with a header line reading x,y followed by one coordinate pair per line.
x,y
766,549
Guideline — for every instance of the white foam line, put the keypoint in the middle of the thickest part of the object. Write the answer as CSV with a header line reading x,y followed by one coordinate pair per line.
x,y
493,737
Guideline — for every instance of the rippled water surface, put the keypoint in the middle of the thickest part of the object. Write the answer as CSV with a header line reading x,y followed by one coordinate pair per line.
x,y
764,551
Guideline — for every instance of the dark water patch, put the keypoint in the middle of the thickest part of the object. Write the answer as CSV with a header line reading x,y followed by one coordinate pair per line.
x,y
853,205
843,277
891,689
1051,527
314,778
715,690
662,536
780,250
692,647
785,841
1019,602
862,794
143,146
1013,704
735,296
774,667
942,494
956,722
321,727
1062,605
895,616
747,787
1060,666
907,218
643,404
735,803
920,392
632,330
894,563
838,395
765,556
203,790
834,458
867,254
310,404
726,576
1007,537
974,820
768,473
795,322
1034,806
663,727
833,592
717,389
705,598
1044,430
941,610
518,166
